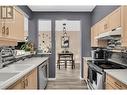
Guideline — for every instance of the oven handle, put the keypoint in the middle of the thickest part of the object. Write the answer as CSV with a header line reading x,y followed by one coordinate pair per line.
x,y
43,65
96,70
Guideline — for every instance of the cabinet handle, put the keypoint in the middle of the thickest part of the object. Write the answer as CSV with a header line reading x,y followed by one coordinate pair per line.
x,y
113,29
3,30
7,31
105,26
26,82
23,84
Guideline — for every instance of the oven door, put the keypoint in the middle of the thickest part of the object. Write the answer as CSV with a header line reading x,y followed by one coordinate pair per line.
x,y
95,78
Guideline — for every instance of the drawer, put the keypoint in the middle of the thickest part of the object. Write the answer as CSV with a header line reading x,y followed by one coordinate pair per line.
x,y
108,86
114,83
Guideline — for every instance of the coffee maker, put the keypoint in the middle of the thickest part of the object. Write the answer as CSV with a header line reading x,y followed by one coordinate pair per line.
x,y
99,53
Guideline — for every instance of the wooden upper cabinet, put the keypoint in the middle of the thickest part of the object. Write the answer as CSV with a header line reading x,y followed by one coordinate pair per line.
x,y
19,26
104,25
94,34
124,26
95,31
19,85
11,28
7,22
92,37
115,19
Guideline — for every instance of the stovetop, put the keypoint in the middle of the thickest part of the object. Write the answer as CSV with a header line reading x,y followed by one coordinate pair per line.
x,y
108,65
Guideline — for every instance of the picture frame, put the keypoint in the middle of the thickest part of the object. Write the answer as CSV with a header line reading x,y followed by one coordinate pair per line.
x,y
64,41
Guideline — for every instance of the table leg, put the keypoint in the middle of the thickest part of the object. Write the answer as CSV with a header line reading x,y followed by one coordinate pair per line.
x,y
65,64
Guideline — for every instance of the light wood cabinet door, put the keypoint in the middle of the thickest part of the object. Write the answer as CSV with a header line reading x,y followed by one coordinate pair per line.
x,y
108,86
14,28
19,26
92,37
124,26
9,30
31,80
19,85
112,83
115,19
94,32
104,25
7,25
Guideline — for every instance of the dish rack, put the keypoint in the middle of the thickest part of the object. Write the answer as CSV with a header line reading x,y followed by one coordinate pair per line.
x,y
6,56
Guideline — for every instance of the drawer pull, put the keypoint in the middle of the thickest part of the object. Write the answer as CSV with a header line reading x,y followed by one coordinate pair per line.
x,y
26,82
23,84
3,30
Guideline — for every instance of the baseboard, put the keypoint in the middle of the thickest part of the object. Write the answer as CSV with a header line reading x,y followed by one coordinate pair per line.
x,y
81,78
51,78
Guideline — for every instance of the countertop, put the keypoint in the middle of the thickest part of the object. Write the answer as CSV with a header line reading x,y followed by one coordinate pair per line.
x,y
120,74
87,58
13,72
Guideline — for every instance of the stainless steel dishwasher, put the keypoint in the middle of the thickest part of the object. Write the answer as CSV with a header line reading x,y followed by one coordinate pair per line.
x,y
43,75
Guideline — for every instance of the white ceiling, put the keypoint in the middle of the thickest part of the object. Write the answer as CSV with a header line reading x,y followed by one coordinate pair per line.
x,y
61,8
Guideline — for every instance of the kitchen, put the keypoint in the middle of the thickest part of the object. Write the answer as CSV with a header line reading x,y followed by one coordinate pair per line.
x,y
103,48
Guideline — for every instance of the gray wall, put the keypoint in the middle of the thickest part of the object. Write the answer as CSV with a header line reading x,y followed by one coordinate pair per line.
x,y
27,10
101,11
85,32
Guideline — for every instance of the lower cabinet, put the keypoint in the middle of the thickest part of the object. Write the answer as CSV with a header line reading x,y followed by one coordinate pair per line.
x,y
112,83
29,81
17,85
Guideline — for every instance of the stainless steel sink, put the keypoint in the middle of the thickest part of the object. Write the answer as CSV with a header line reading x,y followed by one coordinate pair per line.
x,y
6,76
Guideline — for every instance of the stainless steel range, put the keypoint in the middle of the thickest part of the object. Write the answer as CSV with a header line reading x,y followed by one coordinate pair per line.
x,y
96,74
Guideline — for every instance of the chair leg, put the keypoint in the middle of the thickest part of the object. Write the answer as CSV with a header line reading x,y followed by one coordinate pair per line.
x,y
58,63
73,64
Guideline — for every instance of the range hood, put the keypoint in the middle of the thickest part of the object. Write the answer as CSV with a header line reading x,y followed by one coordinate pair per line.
x,y
110,34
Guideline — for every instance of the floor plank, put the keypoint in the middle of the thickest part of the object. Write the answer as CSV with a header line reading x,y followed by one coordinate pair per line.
x,y
67,79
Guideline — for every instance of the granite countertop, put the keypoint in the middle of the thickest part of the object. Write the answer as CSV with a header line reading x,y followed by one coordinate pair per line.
x,y
87,58
118,74
13,72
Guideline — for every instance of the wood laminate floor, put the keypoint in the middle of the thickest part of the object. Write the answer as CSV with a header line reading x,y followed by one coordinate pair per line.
x,y
67,79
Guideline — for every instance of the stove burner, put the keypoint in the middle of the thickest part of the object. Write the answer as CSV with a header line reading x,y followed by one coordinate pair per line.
x,y
108,65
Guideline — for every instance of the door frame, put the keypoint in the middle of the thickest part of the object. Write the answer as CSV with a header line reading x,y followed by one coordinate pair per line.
x,y
81,63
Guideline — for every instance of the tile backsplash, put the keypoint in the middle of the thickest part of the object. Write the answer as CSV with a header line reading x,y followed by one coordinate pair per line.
x,y
119,57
